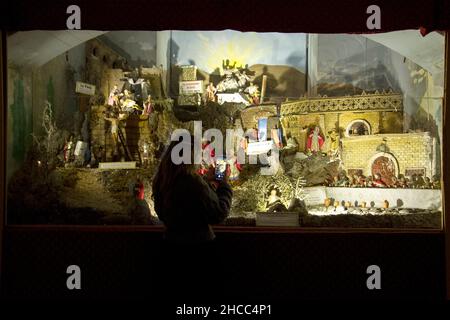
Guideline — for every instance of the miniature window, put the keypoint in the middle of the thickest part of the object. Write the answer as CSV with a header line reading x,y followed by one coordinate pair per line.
x,y
358,128
344,130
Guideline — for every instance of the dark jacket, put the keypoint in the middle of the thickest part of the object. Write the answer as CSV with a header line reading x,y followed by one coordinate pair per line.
x,y
192,207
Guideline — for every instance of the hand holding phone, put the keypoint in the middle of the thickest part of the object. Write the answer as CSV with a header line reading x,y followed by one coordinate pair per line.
x,y
221,169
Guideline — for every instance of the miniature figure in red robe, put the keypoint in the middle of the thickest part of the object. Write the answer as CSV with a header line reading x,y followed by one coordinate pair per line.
x,y
139,189
315,141
377,182
208,158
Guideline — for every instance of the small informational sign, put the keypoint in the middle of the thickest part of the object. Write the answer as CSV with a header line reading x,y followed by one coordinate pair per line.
x,y
191,87
259,147
85,88
117,165
315,195
232,98
288,219
80,148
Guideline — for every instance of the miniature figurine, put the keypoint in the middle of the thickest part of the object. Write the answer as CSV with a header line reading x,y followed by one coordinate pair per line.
x,y
291,143
342,180
273,197
315,141
428,184
139,210
114,118
327,203
242,79
419,182
253,93
401,181
148,106
334,182
354,181
139,189
336,205
235,169
125,95
68,150
226,64
386,204
393,183
127,102
334,144
274,202
209,153
211,92
136,85
408,183
113,99
253,134
378,182
361,180
276,137
93,161
436,182
368,182
363,204
229,83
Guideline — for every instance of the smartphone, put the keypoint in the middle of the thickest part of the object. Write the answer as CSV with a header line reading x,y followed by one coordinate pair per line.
x,y
221,167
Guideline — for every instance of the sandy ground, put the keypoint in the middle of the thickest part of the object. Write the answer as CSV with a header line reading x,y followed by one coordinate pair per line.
x,y
89,191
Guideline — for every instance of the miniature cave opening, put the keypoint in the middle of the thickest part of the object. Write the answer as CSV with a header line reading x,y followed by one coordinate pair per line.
x,y
344,130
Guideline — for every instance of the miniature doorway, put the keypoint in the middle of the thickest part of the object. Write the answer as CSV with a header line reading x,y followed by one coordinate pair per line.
x,y
385,165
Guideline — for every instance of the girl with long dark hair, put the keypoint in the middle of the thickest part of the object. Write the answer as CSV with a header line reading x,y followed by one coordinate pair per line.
x,y
187,203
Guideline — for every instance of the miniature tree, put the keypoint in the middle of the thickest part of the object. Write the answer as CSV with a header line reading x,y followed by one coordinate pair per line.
x,y
46,146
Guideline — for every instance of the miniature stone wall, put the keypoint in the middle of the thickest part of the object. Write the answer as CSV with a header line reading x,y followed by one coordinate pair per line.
x,y
99,60
411,150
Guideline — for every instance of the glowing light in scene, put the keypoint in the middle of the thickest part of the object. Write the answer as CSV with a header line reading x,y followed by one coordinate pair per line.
x,y
236,49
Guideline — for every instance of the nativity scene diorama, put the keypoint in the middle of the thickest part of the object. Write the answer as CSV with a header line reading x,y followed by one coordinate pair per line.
x,y
347,138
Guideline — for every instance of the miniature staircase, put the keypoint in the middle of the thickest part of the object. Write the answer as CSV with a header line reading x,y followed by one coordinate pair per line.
x,y
124,145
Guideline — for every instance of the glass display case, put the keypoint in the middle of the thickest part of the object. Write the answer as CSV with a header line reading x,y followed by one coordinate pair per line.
x,y
322,130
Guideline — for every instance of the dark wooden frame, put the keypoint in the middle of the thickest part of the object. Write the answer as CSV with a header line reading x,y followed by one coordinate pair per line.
x,y
3,95
446,159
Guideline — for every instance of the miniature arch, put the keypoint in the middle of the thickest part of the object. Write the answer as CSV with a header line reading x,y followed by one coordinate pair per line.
x,y
364,122
386,155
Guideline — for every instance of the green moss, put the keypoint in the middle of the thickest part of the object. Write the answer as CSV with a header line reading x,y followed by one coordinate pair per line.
x,y
19,121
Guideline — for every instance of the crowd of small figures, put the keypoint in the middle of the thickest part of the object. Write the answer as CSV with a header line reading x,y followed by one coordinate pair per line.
x,y
329,202
361,181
